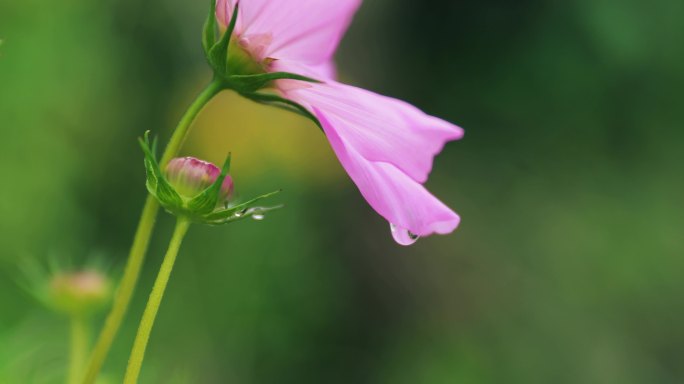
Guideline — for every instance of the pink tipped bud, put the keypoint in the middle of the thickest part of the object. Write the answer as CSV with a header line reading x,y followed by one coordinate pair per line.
x,y
80,292
190,176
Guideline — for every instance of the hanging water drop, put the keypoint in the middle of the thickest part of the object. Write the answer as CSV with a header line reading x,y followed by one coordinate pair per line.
x,y
403,236
257,213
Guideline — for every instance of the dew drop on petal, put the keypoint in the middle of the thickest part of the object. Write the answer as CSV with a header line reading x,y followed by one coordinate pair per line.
x,y
403,236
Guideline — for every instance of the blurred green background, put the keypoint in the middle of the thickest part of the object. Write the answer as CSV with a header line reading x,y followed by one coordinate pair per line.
x,y
567,267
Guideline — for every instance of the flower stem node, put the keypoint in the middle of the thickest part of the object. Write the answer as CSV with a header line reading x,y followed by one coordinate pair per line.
x,y
197,190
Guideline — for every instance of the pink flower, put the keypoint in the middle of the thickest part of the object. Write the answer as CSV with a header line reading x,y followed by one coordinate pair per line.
x,y
386,146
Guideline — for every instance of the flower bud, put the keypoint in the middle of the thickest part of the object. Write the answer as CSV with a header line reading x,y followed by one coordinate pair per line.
x,y
79,293
190,177
197,190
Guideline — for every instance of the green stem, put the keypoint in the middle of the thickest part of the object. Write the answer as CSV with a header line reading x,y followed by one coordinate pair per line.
x,y
78,349
186,121
147,321
141,241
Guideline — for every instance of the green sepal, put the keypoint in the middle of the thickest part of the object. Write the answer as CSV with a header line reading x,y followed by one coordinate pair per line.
x,y
150,170
280,102
218,53
156,182
253,83
151,182
244,214
206,201
236,212
209,31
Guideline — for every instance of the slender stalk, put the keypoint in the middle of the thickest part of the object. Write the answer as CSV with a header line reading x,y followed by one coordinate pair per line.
x,y
125,290
78,349
153,303
141,241
188,118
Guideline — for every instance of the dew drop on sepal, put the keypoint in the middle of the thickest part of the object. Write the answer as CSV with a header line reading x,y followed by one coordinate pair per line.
x,y
256,213
403,236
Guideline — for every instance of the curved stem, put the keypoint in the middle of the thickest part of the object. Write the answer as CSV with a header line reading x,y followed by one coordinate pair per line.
x,y
153,303
141,241
78,348
186,121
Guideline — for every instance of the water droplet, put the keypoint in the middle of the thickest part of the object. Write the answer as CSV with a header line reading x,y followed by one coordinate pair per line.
x,y
403,236
256,213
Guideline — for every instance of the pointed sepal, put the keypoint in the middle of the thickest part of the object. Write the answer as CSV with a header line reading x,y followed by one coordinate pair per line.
x,y
280,102
256,213
206,201
240,211
253,83
156,182
217,54
209,31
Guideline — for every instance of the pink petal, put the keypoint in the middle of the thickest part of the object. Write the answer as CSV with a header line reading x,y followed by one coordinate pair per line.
x,y
379,128
386,145
305,31
395,196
